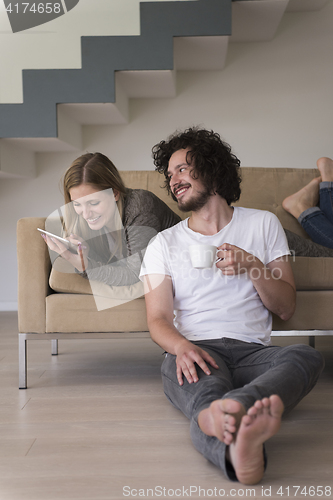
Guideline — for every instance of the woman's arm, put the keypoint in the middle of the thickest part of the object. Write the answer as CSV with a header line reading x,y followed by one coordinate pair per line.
x,y
74,258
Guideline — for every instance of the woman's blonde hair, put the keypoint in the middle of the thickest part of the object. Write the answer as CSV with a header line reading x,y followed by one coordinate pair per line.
x,y
98,171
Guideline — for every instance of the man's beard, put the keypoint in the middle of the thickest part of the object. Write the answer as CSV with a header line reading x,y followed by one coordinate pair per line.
x,y
196,202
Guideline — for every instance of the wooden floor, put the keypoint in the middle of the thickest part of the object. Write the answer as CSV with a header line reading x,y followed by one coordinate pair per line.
x,y
94,424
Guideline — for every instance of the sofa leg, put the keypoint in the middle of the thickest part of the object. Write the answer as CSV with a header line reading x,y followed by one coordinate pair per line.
x,y
22,361
54,347
312,341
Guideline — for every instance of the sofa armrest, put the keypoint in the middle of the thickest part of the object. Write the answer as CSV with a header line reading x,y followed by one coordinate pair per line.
x,y
33,275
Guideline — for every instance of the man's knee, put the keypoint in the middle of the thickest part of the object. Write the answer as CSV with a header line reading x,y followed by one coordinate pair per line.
x,y
305,356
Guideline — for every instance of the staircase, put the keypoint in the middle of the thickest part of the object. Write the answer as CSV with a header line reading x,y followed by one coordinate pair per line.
x,y
174,36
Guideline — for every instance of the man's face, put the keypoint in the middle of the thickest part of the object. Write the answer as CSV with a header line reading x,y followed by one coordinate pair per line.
x,y
189,192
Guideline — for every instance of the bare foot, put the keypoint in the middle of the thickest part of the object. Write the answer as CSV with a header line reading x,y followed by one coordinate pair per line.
x,y
325,167
222,419
305,198
260,423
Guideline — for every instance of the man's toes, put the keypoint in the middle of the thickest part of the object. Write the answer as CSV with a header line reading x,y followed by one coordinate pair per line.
x,y
230,422
253,411
257,407
228,438
248,419
266,405
276,406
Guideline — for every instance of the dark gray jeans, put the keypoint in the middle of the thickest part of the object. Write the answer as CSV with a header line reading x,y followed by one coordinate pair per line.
x,y
247,372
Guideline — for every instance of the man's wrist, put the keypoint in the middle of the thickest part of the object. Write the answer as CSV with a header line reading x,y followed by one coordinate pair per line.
x,y
181,343
257,270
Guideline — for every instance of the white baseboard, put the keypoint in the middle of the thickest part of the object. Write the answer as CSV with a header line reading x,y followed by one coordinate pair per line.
x,y
8,306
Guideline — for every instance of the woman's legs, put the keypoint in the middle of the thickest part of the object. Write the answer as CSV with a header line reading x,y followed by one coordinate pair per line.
x,y
304,199
318,226
326,199
316,220
325,167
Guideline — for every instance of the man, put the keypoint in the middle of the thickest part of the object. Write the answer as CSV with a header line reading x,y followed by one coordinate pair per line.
x,y
215,324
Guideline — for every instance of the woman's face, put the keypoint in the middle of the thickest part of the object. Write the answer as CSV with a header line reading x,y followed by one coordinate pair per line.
x,y
96,207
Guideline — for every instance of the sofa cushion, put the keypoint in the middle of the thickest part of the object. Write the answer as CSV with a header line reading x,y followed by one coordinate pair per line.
x,y
313,312
312,273
64,279
78,313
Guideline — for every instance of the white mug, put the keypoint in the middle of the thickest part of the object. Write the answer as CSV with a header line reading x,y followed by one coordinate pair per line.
x,y
202,256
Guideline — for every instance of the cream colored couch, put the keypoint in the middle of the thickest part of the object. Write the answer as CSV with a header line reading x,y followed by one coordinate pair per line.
x,y
46,314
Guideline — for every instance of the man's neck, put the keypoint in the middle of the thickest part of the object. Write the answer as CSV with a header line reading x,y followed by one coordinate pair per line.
x,y
210,219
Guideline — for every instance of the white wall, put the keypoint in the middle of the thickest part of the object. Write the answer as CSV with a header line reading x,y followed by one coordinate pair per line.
x,y
273,103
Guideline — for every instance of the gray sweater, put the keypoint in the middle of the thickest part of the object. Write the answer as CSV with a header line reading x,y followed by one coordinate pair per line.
x,y
144,215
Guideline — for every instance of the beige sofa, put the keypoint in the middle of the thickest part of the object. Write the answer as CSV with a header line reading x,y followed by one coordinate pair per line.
x,y
48,314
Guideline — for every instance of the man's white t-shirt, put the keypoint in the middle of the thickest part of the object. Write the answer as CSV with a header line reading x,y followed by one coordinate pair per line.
x,y
207,304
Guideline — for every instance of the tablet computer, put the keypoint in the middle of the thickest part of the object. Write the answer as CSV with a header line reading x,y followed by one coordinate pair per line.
x,y
67,243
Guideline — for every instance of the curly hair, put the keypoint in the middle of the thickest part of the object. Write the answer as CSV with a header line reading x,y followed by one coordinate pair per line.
x,y
213,163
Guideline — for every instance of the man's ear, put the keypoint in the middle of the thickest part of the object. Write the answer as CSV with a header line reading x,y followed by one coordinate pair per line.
x,y
194,174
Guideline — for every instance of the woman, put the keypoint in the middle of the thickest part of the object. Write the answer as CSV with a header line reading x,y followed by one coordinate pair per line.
x,y
109,224
316,220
